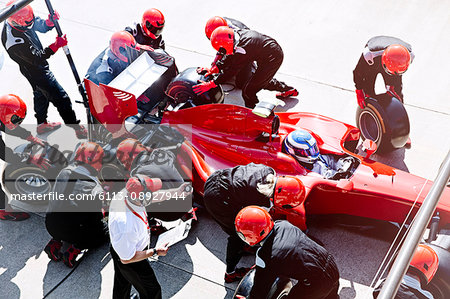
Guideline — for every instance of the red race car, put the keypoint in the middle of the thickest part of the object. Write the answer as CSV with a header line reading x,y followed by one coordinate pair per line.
x,y
220,136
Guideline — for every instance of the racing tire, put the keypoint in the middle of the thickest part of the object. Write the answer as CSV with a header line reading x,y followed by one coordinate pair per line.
x,y
26,180
280,288
385,121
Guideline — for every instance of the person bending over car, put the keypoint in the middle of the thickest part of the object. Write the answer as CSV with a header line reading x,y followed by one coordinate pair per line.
x,y
285,251
114,59
24,47
227,191
303,147
239,48
77,222
12,112
385,55
148,32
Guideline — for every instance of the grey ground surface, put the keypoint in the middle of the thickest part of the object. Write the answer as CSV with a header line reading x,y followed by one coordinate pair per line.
x,y
322,41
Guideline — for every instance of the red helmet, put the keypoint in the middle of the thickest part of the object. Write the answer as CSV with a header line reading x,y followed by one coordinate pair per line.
x,y
253,224
396,59
212,24
289,192
426,261
153,22
119,42
90,153
12,110
142,183
223,37
127,151
24,18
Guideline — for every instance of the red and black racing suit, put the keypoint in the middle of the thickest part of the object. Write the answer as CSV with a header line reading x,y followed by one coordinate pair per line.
x,y
143,39
252,47
25,48
227,191
105,67
287,252
369,65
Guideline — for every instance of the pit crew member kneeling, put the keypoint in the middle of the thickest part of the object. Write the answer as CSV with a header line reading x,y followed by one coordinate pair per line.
x,y
303,147
227,191
239,49
77,219
285,251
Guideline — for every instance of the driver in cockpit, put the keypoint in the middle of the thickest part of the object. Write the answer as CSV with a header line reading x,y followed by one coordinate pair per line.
x,y
303,147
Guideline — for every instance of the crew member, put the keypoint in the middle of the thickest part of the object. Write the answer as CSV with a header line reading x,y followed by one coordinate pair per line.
x,y
77,219
24,47
239,49
227,191
303,147
422,268
160,163
113,60
148,32
285,251
12,112
130,240
385,55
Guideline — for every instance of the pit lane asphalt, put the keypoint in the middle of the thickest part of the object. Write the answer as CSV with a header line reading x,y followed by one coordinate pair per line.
x,y
322,42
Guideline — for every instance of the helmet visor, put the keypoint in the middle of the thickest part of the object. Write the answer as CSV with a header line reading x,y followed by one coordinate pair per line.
x,y
156,31
312,152
16,120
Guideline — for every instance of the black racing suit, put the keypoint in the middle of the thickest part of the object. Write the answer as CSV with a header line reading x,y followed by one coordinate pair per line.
x,y
410,288
160,164
78,222
105,67
227,191
369,65
8,154
252,47
143,39
25,48
288,252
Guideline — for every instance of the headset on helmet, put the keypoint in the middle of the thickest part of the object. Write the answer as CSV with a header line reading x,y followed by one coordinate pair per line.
x,y
90,153
119,42
22,19
12,110
395,59
223,38
153,22
128,150
140,187
213,23
253,224
426,262
302,145
289,192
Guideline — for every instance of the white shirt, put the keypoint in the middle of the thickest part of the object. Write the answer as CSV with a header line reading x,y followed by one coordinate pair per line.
x,y
128,232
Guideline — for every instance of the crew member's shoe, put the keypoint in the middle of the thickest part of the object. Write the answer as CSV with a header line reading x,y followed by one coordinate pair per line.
x,y
53,250
190,215
70,256
47,127
81,132
13,216
287,94
236,275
